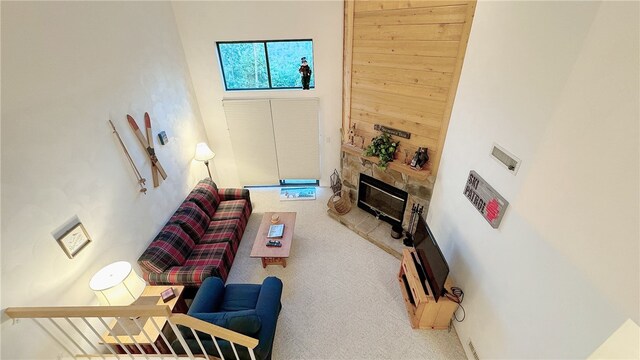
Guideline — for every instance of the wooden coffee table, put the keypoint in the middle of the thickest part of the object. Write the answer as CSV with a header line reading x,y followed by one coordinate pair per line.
x,y
274,255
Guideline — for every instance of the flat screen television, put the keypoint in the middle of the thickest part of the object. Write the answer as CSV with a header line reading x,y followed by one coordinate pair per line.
x,y
432,266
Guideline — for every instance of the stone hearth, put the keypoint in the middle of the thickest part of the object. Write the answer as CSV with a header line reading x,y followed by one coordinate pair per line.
x,y
366,225
419,190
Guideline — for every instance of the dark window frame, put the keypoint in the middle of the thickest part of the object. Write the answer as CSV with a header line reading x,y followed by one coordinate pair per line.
x,y
266,53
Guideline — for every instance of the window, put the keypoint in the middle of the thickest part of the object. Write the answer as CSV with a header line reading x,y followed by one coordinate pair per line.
x,y
255,65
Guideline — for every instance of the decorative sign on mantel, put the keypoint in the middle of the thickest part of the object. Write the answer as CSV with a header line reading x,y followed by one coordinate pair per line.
x,y
391,131
485,199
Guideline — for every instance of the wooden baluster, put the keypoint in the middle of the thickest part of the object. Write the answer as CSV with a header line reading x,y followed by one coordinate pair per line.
x,y
180,338
135,342
123,347
84,337
215,342
252,354
204,351
164,338
55,338
155,348
67,335
234,350
108,346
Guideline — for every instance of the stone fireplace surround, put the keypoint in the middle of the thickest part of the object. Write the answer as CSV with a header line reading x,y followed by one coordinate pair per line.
x,y
365,224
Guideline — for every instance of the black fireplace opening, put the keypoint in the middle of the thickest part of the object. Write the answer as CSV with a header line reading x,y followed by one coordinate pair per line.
x,y
382,200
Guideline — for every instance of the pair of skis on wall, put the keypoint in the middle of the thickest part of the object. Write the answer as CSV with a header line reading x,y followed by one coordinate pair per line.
x,y
156,169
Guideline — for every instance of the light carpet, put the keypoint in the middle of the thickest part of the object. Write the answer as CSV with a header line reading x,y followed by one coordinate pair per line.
x,y
341,299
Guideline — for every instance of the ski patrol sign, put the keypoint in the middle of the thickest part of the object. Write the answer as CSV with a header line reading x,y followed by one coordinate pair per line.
x,y
485,199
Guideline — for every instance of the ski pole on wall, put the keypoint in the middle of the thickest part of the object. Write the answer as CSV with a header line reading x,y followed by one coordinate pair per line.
x,y
141,180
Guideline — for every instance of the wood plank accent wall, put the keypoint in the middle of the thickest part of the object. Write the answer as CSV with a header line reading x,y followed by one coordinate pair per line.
x,y
402,64
346,61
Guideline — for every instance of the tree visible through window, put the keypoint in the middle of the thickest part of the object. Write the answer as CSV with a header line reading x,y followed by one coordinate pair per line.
x,y
253,65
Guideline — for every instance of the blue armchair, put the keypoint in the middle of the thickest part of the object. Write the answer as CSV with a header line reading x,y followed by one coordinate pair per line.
x,y
249,309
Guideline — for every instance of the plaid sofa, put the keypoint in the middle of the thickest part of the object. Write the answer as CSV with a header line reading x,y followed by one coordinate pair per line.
x,y
200,239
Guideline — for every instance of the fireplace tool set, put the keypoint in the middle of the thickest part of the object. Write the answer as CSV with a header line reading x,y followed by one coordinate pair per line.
x,y
416,211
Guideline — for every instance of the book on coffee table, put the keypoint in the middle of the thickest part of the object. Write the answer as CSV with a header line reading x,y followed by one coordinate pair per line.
x,y
275,231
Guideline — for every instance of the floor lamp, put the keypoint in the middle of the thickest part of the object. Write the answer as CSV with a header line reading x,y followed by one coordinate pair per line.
x,y
203,153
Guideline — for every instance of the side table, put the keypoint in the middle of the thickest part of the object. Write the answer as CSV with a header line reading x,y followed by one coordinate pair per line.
x,y
150,296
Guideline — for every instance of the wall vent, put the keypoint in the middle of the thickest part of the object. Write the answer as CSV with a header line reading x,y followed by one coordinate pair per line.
x,y
505,158
473,350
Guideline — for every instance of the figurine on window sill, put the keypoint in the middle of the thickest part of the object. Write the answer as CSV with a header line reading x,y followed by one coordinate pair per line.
x,y
305,71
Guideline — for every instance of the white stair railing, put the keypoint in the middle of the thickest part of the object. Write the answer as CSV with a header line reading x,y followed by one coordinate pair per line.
x,y
90,332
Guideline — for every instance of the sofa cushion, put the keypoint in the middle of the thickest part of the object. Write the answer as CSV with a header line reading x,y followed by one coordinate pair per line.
x,y
193,220
170,248
246,322
208,189
212,318
235,194
240,297
218,255
184,275
233,209
224,230
203,201
209,182
205,195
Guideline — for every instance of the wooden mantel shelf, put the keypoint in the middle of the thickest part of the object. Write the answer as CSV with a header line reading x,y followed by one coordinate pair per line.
x,y
394,165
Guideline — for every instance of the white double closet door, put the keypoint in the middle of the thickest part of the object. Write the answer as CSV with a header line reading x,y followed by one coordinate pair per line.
x,y
274,139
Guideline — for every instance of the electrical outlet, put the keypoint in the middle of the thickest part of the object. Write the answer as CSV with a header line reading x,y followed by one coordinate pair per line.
x,y
328,138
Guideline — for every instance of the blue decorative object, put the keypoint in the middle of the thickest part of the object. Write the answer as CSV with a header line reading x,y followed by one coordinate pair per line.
x,y
163,137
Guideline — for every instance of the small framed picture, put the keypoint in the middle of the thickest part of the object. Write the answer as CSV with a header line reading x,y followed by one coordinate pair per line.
x,y
74,240
167,294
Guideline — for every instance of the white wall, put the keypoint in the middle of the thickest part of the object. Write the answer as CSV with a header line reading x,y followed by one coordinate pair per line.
x,y
556,83
68,67
201,24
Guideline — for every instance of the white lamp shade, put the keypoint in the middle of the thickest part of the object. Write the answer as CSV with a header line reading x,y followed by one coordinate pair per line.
x,y
624,343
117,284
203,153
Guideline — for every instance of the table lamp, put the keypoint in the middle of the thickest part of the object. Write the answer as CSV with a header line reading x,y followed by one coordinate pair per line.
x,y
117,284
624,343
203,153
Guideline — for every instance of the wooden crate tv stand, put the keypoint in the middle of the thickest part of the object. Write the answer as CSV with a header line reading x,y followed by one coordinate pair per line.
x,y
424,312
